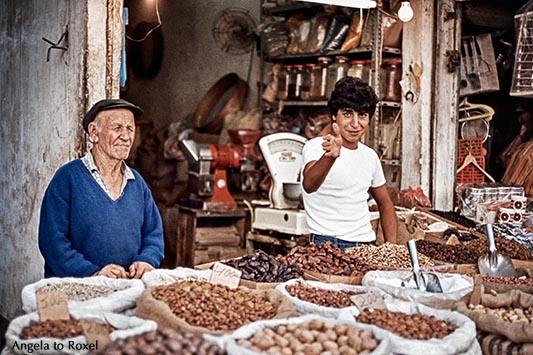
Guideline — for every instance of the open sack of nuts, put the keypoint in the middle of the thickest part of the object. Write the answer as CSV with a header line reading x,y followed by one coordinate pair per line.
x,y
413,328
200,306
306,335
508,314
166,276
454,287
163,341
323,299
66,336
506,284
97,293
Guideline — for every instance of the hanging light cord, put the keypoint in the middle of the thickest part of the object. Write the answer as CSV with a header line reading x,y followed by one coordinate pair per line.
x,y
152,29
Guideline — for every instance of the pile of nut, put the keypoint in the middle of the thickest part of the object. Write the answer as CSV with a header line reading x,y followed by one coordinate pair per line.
x,y
326,258
454,254
510,248
212,306
162,341
57,329
326,298
507,314
410,326
76,291
312,338
387,255
508,280
261,267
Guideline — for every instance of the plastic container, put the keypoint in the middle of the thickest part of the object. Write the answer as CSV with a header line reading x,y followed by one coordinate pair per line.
x,y
295,82
306,81
391,76
336,71
319,76
357,69
283,83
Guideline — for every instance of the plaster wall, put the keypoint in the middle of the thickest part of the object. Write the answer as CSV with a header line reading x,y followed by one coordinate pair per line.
x,y
192,61
41,105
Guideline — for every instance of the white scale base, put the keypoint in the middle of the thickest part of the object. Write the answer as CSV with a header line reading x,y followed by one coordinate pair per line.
x,y
284,221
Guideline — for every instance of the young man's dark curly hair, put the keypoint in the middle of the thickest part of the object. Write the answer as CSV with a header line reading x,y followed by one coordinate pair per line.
x,y
352,93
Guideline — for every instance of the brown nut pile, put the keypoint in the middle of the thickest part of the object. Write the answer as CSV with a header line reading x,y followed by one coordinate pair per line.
x,y
410,326
312,338
507,314
510,248
387,255
326,258
326,298
508,280
163,341
76,291
261,267
215,307
57,329
454,254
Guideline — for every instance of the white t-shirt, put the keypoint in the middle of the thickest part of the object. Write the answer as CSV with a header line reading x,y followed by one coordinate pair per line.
x,y
339,207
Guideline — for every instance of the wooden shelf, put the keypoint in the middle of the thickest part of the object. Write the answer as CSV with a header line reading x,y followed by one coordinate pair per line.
x,y
356,51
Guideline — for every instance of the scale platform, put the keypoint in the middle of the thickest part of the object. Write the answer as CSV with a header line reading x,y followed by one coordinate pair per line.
x,y
283,221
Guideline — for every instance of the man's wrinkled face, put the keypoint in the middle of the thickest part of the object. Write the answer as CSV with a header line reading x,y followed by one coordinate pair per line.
x,y
352,125
114,132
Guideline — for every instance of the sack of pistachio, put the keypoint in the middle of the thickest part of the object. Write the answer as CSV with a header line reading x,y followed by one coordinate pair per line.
x,y
26,334
97,293
414,329
507,314
203,307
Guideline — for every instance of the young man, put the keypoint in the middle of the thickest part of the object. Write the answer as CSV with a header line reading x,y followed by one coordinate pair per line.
x,y
339,172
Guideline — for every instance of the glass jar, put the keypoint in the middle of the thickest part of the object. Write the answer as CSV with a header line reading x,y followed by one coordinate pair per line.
x,y
295,82
357,69
306,82
319,76
391,76
283,83
336,71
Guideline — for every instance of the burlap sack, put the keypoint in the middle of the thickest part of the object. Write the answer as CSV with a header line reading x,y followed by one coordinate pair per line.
x,y
150,308
498,345
519,332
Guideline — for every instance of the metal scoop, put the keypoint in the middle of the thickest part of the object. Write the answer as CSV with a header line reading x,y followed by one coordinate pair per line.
x,y
424,281
494,263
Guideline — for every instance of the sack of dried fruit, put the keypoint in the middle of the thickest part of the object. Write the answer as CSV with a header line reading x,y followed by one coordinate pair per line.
x,y
309,335
508,314
454,286
203,307
66,336
97,293
323,299
414,329
167,276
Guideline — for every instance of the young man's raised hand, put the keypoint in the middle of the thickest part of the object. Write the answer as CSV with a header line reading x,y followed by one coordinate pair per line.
x,y
333,142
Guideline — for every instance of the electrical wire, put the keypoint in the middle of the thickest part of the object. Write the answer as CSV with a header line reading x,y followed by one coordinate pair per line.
x,y
152,29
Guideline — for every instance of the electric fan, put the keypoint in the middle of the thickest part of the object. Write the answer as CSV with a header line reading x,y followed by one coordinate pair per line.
x,y
234,31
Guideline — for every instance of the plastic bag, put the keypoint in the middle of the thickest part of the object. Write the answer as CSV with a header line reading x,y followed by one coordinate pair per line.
x,y
337,31
355,33
317,34
274,36
166,276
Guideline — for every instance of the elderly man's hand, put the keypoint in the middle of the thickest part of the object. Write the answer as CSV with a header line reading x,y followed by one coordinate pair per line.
x,y
138,268
332,142
113,271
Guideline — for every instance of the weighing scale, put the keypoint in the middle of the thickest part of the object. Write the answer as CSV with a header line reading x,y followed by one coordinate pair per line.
x,y
282,153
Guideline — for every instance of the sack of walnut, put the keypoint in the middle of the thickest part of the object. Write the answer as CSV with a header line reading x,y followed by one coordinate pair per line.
x,y
509,314
66,337
309,335
323,299
166,276
97,293
454,287
202,307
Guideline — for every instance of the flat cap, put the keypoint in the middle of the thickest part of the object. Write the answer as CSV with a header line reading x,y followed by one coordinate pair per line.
x,y
109,104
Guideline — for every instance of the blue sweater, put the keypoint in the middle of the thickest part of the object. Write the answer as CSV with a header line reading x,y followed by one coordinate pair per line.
x,y
82,229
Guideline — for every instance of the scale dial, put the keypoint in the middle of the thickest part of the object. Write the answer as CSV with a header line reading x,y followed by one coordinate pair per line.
x,y
282,145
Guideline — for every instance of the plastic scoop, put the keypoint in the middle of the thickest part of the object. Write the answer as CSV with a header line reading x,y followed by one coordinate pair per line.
x,y
494,263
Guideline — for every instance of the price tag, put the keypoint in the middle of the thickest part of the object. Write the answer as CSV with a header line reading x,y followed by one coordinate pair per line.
x,y
97,334
52,305
368,300
225,275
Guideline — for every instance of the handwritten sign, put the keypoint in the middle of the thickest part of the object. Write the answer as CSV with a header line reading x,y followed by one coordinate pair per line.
x,y
368,300
225,275
52,305
97,334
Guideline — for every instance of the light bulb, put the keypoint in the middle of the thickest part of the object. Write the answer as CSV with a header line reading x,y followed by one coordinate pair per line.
x,y
406,12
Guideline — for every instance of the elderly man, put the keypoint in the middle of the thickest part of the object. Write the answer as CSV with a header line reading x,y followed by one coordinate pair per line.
x,y
98,216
